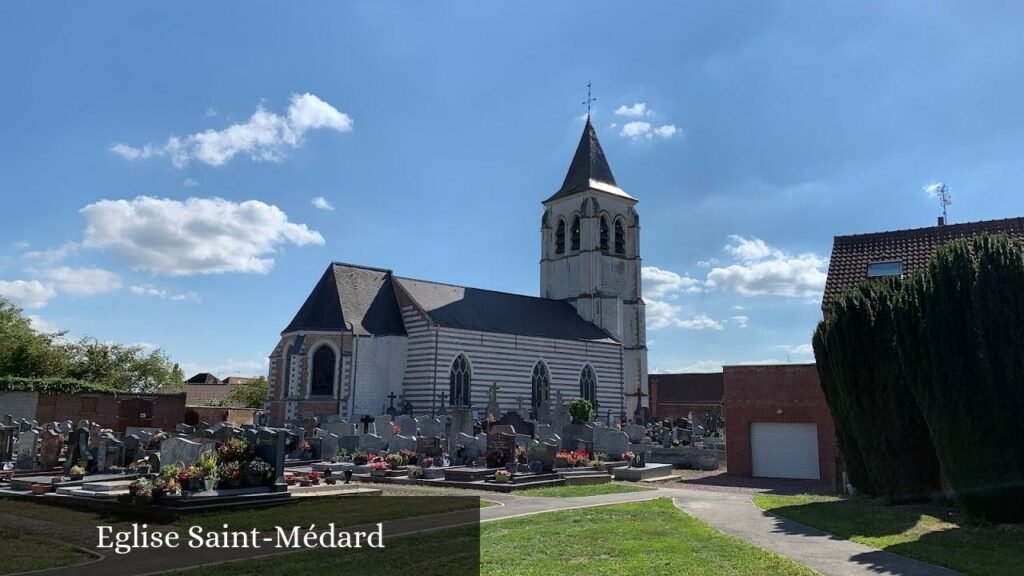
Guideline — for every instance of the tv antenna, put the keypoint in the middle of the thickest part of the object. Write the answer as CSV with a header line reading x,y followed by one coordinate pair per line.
x,y
945,198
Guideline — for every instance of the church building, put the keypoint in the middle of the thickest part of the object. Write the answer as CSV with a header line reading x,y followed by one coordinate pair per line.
x,y
366,339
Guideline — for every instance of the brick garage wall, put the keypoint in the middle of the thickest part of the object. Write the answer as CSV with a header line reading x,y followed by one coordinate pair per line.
x,y
201,394
212,414
759,393
672,411
104,409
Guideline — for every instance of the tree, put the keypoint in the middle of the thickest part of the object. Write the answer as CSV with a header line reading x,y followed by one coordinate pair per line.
x,y
252,394
24,351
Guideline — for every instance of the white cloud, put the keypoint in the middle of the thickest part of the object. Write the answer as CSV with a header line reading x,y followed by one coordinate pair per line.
x,y
40,324
700,322
83,281
229,367
658,283
663,314
635,129
740,320
190,183
54,255
637,110
321,203
21,245
799,350
697,366
932,189
265,136
763,270
708,263
197,236
163,294
210,112
666,131
26,293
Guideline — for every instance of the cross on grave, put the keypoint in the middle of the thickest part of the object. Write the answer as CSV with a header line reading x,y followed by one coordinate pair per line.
x,y
365,420
441,397
391,405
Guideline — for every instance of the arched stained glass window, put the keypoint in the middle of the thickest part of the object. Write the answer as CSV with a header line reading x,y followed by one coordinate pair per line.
x,y
541,384
322,381
588,384
459,378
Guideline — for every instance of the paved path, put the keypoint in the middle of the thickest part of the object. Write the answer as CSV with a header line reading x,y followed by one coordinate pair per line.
x,y
731,513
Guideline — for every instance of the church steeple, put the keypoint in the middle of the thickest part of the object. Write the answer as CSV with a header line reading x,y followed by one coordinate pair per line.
x,y
589,167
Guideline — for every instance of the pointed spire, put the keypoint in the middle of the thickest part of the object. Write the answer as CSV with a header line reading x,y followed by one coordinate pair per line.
x,y
588,165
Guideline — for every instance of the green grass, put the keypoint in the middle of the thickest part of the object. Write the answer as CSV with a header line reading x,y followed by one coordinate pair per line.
x,y
586,490
24,552
926,532
644,538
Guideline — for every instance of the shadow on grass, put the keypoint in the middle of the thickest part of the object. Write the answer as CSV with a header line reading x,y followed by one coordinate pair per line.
x,y
777,486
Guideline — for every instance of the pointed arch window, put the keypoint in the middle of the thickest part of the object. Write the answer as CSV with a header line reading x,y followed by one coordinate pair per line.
x,y
459,378
541,384
620,238
588,384
560,237
322,380
604,233
574,233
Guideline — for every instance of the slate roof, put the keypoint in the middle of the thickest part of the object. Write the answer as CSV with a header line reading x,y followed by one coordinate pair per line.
x,y
203,378
589,168
694,388
351,297
501,312
913,248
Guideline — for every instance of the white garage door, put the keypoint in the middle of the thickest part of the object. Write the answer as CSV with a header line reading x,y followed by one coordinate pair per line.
x,y
784,450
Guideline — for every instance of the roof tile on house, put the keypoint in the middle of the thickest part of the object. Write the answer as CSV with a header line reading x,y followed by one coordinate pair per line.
x,y
912,248
688,388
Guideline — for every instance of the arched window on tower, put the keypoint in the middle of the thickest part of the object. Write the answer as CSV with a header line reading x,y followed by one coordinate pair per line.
x,y
620,238
604,233
588,384
574,233
322,381
459,378
541,384
560,237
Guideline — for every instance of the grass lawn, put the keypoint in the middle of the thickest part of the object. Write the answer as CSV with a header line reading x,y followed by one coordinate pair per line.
x,y
926,532
644,538
24,552
587,490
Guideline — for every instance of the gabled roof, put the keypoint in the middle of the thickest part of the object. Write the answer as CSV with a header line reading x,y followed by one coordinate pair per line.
x,y
912,248
501,312
692,388
589,168
358,298
203,378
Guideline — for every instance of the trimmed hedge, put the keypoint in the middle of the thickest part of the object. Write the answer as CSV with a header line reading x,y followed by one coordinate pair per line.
x,y
930,369
51,385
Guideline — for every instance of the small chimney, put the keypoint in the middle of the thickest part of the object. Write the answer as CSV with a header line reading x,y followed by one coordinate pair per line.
x,y
942,220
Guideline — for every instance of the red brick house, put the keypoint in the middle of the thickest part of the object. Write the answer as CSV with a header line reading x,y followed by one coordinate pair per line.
x,y
777,423
679,395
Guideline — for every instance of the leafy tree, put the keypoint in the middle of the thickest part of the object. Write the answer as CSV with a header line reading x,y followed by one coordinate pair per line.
x,y
24,351
252,394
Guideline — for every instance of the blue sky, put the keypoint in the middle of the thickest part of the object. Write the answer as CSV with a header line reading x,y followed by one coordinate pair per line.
x,y
159,164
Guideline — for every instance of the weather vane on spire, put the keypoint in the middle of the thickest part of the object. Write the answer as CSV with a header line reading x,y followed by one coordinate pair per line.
x,y
589,100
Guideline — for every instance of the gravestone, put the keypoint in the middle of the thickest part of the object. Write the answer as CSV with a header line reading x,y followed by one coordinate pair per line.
x,y
28,446
516,421
7,443
545,453
635,432
611,442
329,446
78,449
49,449
108,453
348,443
502,428
406,425
308,423
399,443
502,443
8,420
431,427
574,434
546,432
132,449
544,413
469,444
428,446
340,427
523,441
492,401
385,429
315,447
462,423
184,450
185,429
369,442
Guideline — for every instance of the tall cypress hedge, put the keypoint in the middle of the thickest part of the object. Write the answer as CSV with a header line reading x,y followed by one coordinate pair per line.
x,y
882,433
961,339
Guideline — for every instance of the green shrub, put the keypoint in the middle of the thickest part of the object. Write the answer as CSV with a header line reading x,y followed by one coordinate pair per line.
x,y
581,411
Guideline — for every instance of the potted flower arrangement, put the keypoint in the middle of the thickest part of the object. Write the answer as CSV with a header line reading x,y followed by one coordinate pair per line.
x,y
597,463
235,450
396,429
229,475
314,478
359,457
378,468
502,476
191,478
395,461
257,472
427,462
307,450
208,469
76,472
141,491
628,457
291,479
410,456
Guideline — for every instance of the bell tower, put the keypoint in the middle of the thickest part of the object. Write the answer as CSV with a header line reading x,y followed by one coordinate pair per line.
x,y
590,257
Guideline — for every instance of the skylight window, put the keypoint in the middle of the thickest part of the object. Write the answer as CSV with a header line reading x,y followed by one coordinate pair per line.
x,y
889,268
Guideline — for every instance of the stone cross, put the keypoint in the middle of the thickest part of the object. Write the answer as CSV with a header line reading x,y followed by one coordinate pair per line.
x,y
492,401
365,420
391,406
444,409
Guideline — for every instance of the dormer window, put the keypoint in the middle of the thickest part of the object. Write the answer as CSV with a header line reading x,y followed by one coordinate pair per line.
x,y
886,268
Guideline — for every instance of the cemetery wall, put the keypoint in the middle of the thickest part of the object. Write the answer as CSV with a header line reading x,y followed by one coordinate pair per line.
x,y
786,393
114,411
19,404
204,394
677,395
236,416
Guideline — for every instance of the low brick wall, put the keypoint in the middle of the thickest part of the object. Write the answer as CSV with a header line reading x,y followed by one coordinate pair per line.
x,y
213,414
